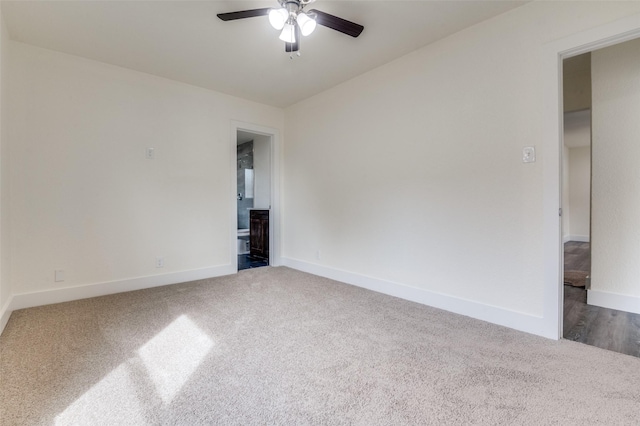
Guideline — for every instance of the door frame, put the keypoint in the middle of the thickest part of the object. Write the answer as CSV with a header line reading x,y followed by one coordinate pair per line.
x,y
274,215
615,32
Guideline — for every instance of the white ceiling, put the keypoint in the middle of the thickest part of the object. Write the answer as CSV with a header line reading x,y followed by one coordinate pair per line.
x,y
185,41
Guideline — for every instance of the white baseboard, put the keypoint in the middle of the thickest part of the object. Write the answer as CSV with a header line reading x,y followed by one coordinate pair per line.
x,y
5,313
493,314
621,302
48,297
579,238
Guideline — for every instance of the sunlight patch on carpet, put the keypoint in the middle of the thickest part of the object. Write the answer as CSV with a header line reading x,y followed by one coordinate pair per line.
x,y
112,398
173,355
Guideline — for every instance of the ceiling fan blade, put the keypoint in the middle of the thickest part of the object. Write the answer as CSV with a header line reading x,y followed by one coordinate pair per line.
x,y
338,24
241,14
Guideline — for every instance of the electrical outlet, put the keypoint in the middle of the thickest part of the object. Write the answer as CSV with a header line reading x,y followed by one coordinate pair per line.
x,y
58,275
159,262
318,255
529,154
150,153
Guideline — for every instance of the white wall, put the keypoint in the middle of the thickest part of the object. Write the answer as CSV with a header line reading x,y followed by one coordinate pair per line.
x,y
409,179
452,219
615,270
89,203
579,193
566,208
5,264
577,174
262,168
577,128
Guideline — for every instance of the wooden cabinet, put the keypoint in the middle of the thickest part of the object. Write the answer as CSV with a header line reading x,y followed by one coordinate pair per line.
x,y
259,233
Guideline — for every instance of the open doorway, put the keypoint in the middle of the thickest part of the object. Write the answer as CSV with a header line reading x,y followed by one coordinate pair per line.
x,y
253,189
601,94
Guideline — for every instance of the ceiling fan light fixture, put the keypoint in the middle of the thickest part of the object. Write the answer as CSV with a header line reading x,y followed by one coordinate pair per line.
x,y
288,34
278,17
306,24
293,21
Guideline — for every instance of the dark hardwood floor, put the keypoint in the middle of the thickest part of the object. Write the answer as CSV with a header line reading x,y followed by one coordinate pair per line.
x,y
577,256
247,261
605,328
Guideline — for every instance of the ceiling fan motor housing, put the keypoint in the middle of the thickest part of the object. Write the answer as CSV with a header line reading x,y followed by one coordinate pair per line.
x,y
294,7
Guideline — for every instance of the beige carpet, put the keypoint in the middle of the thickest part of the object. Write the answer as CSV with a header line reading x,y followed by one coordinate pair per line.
x,y
575,278
276,346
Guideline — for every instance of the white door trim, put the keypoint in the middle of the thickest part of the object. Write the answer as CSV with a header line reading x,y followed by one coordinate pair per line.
x,y
606,35
274,217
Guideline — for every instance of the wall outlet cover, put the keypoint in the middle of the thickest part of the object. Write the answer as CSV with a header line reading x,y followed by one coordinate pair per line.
x,y
529,154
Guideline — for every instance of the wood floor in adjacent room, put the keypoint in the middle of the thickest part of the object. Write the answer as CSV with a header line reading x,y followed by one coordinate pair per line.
x,y
605,328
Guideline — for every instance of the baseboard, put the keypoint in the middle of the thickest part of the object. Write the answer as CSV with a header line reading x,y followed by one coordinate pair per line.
x,y
48,297
620,302
566,239
579,238
493,314
5,313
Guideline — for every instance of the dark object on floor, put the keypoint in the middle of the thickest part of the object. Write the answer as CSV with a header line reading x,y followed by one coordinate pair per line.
x,y
575,278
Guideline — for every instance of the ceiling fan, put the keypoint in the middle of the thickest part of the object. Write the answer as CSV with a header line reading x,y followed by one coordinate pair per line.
x,y
294,21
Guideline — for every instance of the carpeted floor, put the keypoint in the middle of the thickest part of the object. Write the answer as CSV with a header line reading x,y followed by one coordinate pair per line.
x,y
278,346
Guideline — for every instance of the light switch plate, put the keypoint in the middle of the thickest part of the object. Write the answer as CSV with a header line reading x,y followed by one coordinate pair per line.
x,y
529,154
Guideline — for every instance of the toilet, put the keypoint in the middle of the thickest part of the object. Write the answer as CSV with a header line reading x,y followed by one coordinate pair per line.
x,y
243,241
